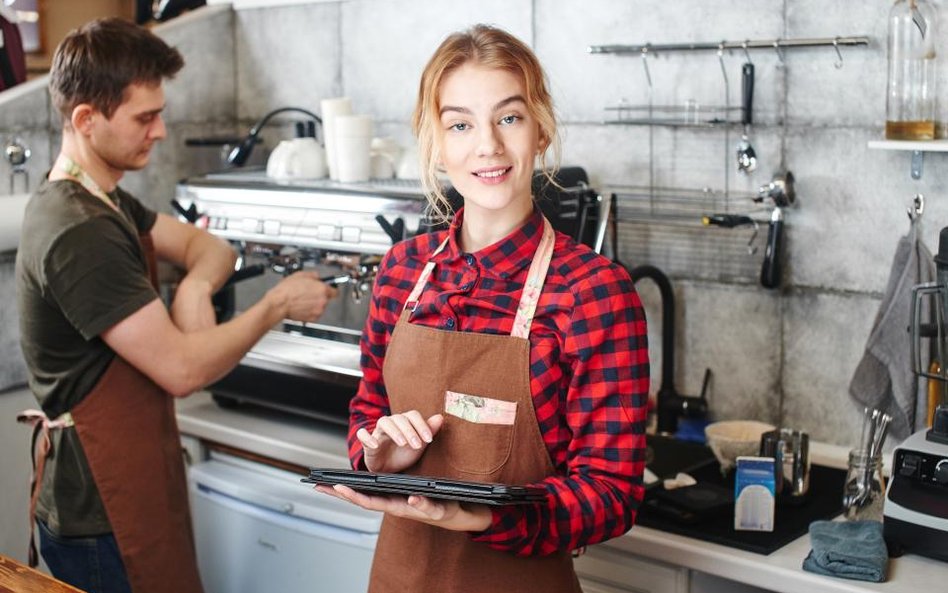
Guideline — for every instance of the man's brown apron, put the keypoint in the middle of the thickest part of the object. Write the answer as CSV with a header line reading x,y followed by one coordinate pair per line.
x,y
129,434
421,365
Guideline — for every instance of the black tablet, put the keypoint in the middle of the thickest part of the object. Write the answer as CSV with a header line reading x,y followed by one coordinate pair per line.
x,y
402,484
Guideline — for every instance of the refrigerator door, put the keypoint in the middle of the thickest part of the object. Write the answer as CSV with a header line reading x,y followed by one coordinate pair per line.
x,y
258,528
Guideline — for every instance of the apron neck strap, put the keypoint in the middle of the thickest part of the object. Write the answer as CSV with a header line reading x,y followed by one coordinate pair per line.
x,y
75,171
530,296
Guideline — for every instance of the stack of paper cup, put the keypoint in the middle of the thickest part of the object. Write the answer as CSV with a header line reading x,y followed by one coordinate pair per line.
x,y
353,135
331,109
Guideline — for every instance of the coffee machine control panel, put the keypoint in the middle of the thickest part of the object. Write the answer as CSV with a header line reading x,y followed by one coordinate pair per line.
x,y
319,214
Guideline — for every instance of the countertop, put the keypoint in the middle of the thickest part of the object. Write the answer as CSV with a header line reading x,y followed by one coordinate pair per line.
x,y
306,442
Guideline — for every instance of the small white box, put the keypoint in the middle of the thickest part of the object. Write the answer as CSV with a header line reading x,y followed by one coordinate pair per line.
x,y
754,494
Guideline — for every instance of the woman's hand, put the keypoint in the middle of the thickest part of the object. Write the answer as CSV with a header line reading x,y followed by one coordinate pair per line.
x,y
447,514
398,441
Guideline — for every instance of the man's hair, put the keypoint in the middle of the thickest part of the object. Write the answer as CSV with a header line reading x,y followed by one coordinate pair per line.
x,y
97,62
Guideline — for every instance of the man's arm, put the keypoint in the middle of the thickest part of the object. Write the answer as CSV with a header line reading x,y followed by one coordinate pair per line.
x,y
207,261
183,362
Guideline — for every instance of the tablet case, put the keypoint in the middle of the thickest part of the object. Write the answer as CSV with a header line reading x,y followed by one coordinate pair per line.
x,y
402,484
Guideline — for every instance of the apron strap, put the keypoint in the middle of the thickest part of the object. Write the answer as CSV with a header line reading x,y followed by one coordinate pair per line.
x,y
530,296
41,447
412,301
534,284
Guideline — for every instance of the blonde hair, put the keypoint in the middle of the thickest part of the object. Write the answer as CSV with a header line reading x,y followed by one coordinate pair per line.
x,y
494,48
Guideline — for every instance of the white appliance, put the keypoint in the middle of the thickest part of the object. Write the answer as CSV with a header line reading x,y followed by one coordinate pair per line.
x,y
259,530
915,515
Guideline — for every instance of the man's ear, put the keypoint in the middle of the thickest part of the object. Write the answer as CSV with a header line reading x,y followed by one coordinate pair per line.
x,y
82,118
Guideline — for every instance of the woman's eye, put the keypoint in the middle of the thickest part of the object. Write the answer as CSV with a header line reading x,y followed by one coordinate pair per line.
x,y
509,119
458,127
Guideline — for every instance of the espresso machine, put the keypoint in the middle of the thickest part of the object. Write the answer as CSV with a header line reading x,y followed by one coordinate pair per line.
x,y
340,231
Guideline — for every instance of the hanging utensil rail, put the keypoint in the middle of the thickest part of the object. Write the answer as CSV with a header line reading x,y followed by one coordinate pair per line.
x,y
775,44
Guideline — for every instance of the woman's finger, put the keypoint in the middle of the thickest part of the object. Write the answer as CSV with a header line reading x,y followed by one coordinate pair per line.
x,y
419,424
387,426
367,439
407,431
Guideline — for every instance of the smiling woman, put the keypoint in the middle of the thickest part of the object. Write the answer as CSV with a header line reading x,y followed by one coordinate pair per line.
x,y
497,351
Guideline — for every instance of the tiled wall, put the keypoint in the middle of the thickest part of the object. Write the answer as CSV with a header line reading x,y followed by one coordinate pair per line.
x,y
785,356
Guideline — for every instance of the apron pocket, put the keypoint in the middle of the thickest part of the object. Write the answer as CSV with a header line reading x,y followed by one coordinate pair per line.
x,y
477,434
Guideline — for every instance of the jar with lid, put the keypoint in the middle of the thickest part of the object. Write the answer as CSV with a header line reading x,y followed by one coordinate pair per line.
x,y
864,488
910,101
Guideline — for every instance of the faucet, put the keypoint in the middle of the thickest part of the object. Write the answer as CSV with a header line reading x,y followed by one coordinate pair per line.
x,y
670,405
17,154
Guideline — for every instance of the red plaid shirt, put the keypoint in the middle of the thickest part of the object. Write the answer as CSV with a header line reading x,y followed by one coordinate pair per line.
x,y
589,377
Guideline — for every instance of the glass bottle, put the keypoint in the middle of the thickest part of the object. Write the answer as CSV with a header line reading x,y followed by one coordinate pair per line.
x,y
910,102
864,489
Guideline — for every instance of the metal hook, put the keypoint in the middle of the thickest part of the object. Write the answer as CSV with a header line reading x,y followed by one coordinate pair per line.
x,y
746,53
648,76
839,55
778,50
917,208
721,47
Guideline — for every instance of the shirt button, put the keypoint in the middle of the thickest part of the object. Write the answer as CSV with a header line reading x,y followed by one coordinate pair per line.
x,y
449,323
469,259
466,286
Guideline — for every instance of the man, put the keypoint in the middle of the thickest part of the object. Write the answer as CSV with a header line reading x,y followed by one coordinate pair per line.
x,y
103,352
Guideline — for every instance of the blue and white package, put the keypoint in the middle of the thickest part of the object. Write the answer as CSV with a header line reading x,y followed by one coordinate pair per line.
x,y
754,491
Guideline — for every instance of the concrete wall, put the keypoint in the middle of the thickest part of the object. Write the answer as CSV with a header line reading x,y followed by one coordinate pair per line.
x,y
784,356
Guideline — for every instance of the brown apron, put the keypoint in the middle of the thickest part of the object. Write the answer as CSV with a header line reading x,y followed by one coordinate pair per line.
x,y
129,434
421,365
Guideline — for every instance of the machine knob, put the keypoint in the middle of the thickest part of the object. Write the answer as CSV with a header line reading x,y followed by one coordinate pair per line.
x,y
909,466
941,472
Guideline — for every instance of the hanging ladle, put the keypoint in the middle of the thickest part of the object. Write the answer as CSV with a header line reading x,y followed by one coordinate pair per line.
x,y
746,157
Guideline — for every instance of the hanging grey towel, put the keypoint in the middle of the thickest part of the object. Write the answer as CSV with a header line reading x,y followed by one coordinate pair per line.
x,y
884,379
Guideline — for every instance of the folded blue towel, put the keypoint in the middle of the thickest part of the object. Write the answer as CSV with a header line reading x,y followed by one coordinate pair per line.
x,y
847,549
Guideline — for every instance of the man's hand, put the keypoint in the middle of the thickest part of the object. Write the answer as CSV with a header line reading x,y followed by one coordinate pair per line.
x,y
303,296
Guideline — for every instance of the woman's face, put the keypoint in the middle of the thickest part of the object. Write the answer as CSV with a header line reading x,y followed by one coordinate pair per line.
x,y
488,140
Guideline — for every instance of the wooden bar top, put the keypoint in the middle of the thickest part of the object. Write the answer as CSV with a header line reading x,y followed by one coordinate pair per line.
x,y
20,578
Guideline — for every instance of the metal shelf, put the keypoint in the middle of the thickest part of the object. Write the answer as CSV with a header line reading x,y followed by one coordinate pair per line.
x,y
773,44
917,147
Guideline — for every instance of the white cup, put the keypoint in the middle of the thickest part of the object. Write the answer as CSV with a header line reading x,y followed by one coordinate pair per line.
x,y
353,135
299,158
331,109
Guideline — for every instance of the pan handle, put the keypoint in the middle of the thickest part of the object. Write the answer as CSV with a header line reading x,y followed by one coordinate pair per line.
x,y
747,93
771,268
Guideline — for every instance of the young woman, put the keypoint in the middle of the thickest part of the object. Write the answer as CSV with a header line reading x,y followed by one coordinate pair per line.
x,y
497,351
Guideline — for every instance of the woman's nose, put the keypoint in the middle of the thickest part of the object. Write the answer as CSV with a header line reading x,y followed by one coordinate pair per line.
x,y
489,142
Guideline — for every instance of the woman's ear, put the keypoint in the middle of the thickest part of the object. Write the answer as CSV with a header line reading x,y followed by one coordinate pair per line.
x,y
82,118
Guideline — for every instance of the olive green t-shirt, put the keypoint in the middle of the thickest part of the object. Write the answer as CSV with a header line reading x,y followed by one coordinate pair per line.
x,y
80,269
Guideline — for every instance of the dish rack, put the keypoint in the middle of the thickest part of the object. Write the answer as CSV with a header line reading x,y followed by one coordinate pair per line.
x,y
666,227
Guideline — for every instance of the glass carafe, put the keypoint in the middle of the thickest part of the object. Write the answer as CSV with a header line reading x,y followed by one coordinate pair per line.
x,y
910,102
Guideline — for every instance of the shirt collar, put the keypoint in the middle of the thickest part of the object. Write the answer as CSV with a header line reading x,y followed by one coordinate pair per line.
x,y
505,257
